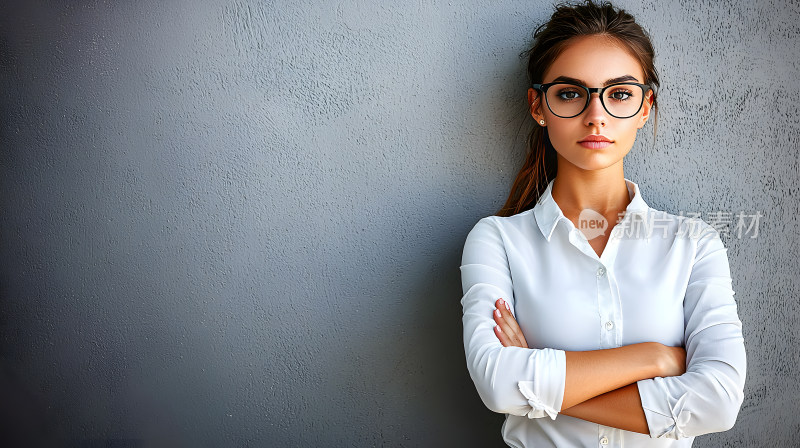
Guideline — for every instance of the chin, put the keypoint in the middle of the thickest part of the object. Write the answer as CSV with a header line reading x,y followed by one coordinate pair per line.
x,y
598,162
595,167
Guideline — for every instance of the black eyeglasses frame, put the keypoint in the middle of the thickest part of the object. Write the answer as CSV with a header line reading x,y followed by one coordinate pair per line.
x,y
599,90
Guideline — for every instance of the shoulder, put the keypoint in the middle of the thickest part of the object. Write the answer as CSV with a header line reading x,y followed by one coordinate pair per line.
x,y
500,234
695,224
485,228
504,225
693,231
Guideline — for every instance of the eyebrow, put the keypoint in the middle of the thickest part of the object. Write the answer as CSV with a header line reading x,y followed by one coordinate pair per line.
x,y
608,81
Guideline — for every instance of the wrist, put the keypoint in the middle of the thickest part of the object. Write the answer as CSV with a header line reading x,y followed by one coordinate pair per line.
x,y
651,361
658,363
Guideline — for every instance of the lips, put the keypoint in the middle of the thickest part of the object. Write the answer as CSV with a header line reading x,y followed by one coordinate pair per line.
x,y
595,141
595,138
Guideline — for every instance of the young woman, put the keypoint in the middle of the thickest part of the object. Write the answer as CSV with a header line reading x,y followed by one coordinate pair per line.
x,y
591,319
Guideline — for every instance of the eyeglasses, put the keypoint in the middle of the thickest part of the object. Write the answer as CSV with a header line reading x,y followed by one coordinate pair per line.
x,y
567,100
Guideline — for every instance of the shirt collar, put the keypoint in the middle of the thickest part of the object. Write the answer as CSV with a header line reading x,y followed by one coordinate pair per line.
x,y
548,213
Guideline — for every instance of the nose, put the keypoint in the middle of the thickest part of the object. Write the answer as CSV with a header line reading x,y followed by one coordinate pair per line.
x,y
595,112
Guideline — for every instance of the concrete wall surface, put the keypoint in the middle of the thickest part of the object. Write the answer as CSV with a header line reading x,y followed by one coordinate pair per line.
x,y
240,223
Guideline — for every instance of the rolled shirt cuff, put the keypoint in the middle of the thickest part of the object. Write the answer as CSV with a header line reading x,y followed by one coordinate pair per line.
x,y
666,417
546,394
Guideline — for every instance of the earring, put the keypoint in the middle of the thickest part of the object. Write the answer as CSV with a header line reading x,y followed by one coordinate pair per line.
x,y
541,122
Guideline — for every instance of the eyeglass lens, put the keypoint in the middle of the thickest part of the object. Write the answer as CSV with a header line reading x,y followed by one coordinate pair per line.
x,y
568,100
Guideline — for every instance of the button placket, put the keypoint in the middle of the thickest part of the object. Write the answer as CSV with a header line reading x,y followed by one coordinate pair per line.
x,y
617,313
605,303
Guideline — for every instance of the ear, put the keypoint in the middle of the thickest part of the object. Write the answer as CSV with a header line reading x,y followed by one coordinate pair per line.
x,y
646,108
535,104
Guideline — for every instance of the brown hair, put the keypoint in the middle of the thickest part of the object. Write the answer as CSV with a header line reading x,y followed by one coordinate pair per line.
x,y
550,39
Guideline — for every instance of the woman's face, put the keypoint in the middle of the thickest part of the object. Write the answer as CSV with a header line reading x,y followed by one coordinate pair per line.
x,y
593,60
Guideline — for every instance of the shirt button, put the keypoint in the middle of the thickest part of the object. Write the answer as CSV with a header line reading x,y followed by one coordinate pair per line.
x,y
604,440
601,271
609,325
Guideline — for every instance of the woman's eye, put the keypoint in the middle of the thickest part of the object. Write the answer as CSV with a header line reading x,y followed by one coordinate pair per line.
x,y
621,95
568,94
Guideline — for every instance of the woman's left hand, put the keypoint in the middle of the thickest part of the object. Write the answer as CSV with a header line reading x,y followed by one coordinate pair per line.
x,y
507,330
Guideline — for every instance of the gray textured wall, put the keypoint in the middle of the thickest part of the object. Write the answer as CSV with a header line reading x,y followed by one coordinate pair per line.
x,y
240,223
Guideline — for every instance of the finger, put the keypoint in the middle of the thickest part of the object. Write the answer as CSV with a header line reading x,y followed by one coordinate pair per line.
x,y
501,336
503,317
513,326
503,323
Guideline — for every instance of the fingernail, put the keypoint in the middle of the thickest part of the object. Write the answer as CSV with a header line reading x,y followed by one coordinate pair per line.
x,y
501,301
498,328
497,313
508,307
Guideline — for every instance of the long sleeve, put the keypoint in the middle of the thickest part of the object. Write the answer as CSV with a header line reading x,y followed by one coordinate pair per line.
x,y
509,380
707,398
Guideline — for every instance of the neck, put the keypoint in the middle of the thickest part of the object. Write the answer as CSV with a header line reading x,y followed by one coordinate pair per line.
x,y
603,191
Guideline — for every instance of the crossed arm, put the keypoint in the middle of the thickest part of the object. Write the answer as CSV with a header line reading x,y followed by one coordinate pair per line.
x,y
683,393
601,384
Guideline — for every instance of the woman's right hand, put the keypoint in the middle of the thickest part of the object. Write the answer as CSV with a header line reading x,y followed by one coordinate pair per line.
x,y
507,330
671,361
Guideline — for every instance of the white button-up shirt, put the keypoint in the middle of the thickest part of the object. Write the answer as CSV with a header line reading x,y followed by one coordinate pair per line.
x,y
661,277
